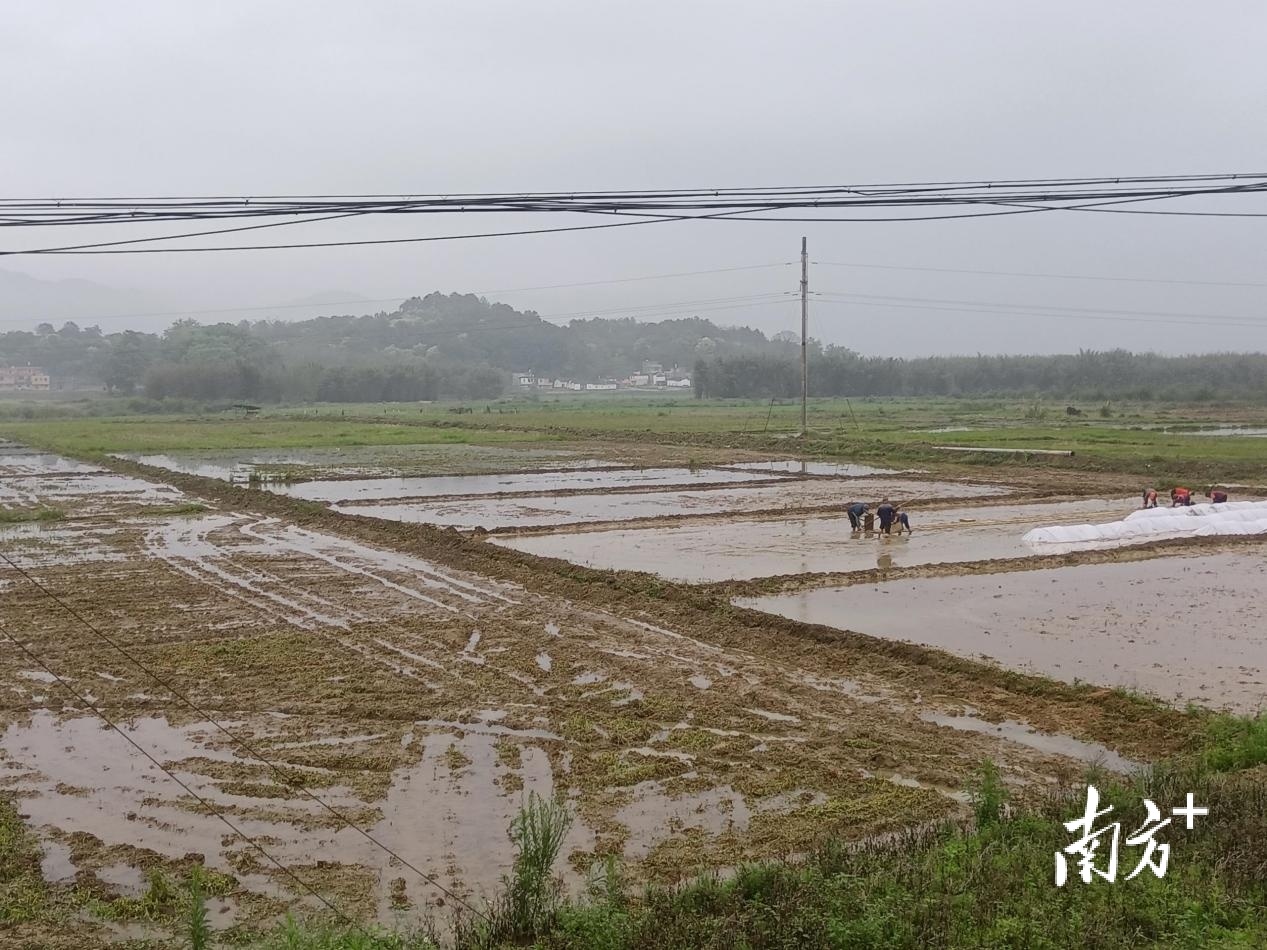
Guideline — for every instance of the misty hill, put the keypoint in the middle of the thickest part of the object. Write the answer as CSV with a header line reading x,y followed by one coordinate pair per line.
x,y
465,328
315,305
462,345
437,345
29,299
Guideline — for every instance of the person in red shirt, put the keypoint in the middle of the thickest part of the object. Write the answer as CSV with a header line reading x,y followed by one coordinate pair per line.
x,y
1180,497
1217,495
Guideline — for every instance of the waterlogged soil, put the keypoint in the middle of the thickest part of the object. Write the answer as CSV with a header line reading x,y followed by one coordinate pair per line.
x,y
819,469
403,461
541,510
721,550
383,460
31,481
421,700
24,461
1184,629
373,489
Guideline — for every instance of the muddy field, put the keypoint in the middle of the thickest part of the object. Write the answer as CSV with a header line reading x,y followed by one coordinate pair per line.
x,y
738,549
419,687
1187,629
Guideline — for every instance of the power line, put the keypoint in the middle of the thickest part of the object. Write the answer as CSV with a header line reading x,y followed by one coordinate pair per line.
x,y
312,244
1005,273
1045,307
237,740
83,700
174,237
747,204
674,305
1039,313
986,191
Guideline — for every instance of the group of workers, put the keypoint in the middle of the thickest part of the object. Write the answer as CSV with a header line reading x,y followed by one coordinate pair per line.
x,y
888,514
1181,497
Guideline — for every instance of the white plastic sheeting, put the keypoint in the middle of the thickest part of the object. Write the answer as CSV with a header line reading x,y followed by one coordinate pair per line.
x,y
1149,524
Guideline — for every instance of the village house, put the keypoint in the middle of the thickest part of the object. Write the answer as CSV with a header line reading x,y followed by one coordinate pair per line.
x,y
27,378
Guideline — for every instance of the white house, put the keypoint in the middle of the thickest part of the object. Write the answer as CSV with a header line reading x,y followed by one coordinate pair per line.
x,y
683,383
599,386
525,379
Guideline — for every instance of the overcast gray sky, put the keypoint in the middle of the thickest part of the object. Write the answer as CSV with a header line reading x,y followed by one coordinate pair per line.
x,y
149,98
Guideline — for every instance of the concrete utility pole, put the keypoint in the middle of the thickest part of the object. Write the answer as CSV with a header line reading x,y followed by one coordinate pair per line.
x,y
804,333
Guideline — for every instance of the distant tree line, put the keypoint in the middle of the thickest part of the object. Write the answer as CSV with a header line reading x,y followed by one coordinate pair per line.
x,y
1088,374
438,346
463,346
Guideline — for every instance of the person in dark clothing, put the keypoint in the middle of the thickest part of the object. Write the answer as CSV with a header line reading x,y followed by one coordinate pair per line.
x,y
903,522
886,513
1217,495
855,510
1150,497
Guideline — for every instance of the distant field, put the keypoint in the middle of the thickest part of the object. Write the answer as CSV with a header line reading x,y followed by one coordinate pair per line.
x,y
1125,437
895,429
165,434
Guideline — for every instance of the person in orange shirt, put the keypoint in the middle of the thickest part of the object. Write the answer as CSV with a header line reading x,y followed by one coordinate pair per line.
x,y
1180,497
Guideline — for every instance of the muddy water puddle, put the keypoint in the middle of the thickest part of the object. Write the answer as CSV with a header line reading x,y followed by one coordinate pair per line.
x,y
1092,753
32,490
1186,629
22,461
447,814
741,550
542,510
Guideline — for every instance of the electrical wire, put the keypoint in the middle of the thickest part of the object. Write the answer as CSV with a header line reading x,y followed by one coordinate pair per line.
x,y
740,204
175,237
1038,306
241,743
1021,312
362,243
1005,273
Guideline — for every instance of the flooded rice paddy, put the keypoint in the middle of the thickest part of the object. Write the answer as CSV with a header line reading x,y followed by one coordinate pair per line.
x,y
376,489
540,510
368,460
1185,629
740,549
825,469
422,701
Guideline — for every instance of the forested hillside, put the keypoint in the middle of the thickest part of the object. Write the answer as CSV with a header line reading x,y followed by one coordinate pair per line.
x,y
464,346
1088,374
440,345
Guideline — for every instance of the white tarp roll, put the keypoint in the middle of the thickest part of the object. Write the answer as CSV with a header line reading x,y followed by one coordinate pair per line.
x,y
1150,524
